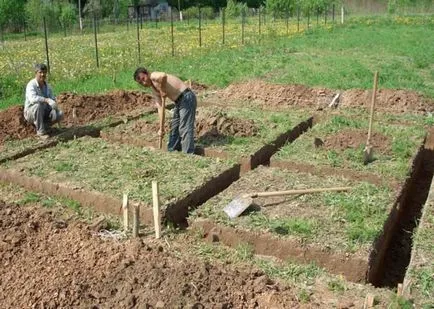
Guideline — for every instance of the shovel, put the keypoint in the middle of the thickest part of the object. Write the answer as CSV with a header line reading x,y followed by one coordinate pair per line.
x,y
368,151
241,203
162,116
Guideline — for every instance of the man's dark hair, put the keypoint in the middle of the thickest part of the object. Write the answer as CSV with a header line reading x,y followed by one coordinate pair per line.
x,y
138,71
40,67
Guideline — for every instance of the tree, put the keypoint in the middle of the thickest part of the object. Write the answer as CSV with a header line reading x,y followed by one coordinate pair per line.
x,y
12,14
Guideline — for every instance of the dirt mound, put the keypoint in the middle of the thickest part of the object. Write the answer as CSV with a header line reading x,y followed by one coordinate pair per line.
x,y
87,108
13,125
94,107
218,124
197,87
394,101
49,263
352,138
272,95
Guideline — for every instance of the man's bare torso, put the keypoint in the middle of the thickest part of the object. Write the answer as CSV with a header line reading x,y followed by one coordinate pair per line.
x,y
173,87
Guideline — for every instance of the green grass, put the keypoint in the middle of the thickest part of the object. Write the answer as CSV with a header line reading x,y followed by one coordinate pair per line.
x,y
334,57
421,270
404,141
356,217
115,169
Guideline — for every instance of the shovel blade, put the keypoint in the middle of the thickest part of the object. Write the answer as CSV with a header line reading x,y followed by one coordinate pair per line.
x,y
237,206
368,155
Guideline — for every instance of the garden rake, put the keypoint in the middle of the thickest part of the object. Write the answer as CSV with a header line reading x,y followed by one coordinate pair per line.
x,y
241,203
368,151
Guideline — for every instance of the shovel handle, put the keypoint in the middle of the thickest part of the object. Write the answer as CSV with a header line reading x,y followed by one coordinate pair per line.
x,y
371,116
300,191
162,116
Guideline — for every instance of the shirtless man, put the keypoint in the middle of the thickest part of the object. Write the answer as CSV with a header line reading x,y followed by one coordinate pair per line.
x,y
181,135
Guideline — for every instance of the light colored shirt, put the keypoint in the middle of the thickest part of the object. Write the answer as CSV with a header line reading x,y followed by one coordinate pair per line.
x,y
36,94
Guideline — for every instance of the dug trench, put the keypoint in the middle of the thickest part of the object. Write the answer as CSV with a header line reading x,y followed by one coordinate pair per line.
x,y
391,257
391,252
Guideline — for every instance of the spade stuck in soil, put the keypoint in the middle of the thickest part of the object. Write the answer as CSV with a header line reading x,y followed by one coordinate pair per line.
x,y
368,153
237,206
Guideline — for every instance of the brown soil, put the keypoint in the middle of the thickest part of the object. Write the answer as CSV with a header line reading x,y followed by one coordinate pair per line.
x,y
197,87
281,96
390,100
354,138
87,109
219,124
275,96
13,125
52,263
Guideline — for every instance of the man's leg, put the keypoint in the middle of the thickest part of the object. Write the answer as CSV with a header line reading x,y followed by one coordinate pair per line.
x,y
186,124
174,138
40,115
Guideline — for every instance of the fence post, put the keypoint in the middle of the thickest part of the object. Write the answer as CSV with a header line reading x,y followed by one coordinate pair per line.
x,y
317,16
25,31
287,21
223,24
200,27
308,18
298,18
325,14
171,27
242,27
342,14
46,46
96,40
138,35
333,13
259,18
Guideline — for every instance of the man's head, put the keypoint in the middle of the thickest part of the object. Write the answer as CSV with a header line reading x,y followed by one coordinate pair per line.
x,y
141,75
41,72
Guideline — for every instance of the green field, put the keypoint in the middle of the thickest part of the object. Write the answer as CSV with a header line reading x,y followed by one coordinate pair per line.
x,y
332,56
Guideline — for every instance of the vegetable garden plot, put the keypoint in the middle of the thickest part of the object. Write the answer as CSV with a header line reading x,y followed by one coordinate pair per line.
x,y
335,230
249,136
336,145
97,174
84,115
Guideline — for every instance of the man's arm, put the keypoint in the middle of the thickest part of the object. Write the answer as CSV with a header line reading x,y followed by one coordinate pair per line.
x,y
32,95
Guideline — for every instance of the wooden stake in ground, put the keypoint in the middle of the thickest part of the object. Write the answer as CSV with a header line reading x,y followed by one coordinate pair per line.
x,y
136,220
125,211
368,151
162,116
156,208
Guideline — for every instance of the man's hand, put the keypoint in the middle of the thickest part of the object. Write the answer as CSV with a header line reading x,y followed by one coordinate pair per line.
x,y
52,103
160,133
163,94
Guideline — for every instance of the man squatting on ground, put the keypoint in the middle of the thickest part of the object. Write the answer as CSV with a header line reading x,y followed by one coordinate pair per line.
x,y
182,127
40,107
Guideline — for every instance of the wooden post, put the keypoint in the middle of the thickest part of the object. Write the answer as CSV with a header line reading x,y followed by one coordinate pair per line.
x,y
342,14
369,301
46,46
125,211
156,208
136,220
399,289
96,40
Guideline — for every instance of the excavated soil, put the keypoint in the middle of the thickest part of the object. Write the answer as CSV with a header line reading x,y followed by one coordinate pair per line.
x,y
276,96
87,108
216,125
209,128
280,96
13,125
354,138
52,263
